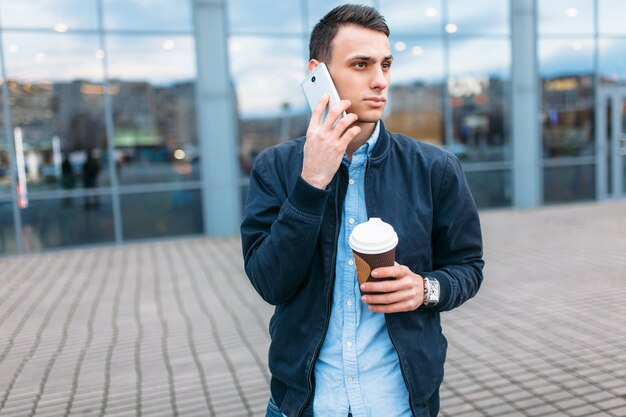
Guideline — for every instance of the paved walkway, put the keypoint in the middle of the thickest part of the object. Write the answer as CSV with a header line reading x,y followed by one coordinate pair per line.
x,y
174,328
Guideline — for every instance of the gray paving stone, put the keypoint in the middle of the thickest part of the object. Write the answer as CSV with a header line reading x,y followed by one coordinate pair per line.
x,y
176,325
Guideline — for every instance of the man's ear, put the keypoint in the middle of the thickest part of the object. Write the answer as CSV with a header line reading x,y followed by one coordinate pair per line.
x,y
312,64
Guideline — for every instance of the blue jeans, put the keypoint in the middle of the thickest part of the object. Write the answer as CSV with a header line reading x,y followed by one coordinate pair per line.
x,y
273,411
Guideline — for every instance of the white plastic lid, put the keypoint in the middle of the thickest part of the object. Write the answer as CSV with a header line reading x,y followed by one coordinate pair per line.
x,y
373,236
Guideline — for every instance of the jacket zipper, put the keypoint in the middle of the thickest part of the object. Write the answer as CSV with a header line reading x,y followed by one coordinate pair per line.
x,y
406,382
328,301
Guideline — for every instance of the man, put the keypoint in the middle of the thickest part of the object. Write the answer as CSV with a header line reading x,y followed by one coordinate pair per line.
x,y
333,352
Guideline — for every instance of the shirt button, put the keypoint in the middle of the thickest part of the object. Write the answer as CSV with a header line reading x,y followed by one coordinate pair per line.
x,y
351,182
349,302
350,262
349,379
349,344
351,220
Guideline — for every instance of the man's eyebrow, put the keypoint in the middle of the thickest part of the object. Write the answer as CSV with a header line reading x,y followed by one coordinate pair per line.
x,y
369,58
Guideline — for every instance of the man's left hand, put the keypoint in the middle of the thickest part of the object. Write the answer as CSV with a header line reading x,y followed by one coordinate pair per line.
x,y
403,293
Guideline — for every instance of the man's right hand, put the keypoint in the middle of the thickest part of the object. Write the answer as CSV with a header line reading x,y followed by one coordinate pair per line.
x,y
325,145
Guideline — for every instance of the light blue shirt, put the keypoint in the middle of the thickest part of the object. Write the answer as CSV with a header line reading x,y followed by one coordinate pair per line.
x,y
357,369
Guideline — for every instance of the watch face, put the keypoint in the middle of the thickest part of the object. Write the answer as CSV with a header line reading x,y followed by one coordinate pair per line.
x,y
433,292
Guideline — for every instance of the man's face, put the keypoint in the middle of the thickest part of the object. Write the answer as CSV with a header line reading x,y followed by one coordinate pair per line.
x,y
360,67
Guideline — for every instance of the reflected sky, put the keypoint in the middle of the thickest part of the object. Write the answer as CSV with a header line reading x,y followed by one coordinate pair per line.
x,y
480,56
565,16
52,57
485,17
276,16
152,15
267,73
611,16
160,60
47,14
564,57
416,59
611,68
415,17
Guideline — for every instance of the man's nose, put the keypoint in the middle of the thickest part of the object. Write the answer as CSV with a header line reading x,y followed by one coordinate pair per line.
x,y
379,80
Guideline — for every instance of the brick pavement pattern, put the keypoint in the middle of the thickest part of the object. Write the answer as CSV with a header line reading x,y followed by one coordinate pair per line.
x,y
175,329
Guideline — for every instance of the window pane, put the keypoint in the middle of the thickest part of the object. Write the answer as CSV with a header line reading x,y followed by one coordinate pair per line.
x,y
318,8
611,16
263,16
153,94
5,158
612,65
153,15
569,183
566,68
415,96
484,17
55,93
479,92
490,188
270,103
414,17
60,15
163,214
565,16
8,244
67,222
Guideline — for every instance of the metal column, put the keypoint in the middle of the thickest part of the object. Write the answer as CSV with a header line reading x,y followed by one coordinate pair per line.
x,y
217,122
527,168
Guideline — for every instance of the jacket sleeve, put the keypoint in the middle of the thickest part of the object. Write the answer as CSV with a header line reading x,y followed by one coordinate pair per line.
x,y
279,235
457,240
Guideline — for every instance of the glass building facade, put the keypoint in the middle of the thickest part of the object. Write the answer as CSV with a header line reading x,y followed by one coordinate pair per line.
x,y
126,120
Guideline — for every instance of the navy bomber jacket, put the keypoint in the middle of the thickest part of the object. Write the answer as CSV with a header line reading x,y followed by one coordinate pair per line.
x,y
289,238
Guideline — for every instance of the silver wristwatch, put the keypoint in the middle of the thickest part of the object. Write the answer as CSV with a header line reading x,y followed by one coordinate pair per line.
x,y
431,292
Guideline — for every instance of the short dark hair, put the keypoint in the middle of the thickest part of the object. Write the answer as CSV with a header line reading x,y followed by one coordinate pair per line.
x,y
320,44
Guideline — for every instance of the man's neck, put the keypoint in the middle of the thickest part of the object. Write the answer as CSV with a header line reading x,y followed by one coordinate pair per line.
x,y
366,131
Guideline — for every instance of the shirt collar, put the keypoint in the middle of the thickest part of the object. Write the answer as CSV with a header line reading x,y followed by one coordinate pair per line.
x,y
368,146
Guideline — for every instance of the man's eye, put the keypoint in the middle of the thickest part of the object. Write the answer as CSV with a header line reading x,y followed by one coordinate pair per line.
x,y
360,65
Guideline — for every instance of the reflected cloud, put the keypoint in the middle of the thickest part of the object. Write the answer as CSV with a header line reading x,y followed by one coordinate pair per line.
x,y
567,56
494,54
56,57
265,16
77,14
155,15
415,17
148,59
267,73
490,17
565,16
421,61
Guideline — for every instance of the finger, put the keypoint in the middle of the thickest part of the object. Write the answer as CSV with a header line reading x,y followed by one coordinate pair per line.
x,y
400,307
350,134
386,298
381,286
318,111
389,271
335,112
346,121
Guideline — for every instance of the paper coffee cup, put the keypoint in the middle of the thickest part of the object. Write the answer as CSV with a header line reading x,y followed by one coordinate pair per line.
x,y
373,245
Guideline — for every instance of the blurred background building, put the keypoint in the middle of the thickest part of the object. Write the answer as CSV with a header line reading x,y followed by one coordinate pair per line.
x,y
123,120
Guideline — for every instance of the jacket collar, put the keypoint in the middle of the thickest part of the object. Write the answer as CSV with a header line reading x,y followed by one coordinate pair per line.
x,y
381,149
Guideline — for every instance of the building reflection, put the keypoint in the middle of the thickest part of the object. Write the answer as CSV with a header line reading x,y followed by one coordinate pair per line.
x,y
117,80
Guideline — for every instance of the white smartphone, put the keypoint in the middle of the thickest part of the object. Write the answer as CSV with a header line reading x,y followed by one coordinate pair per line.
x,y
318,83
